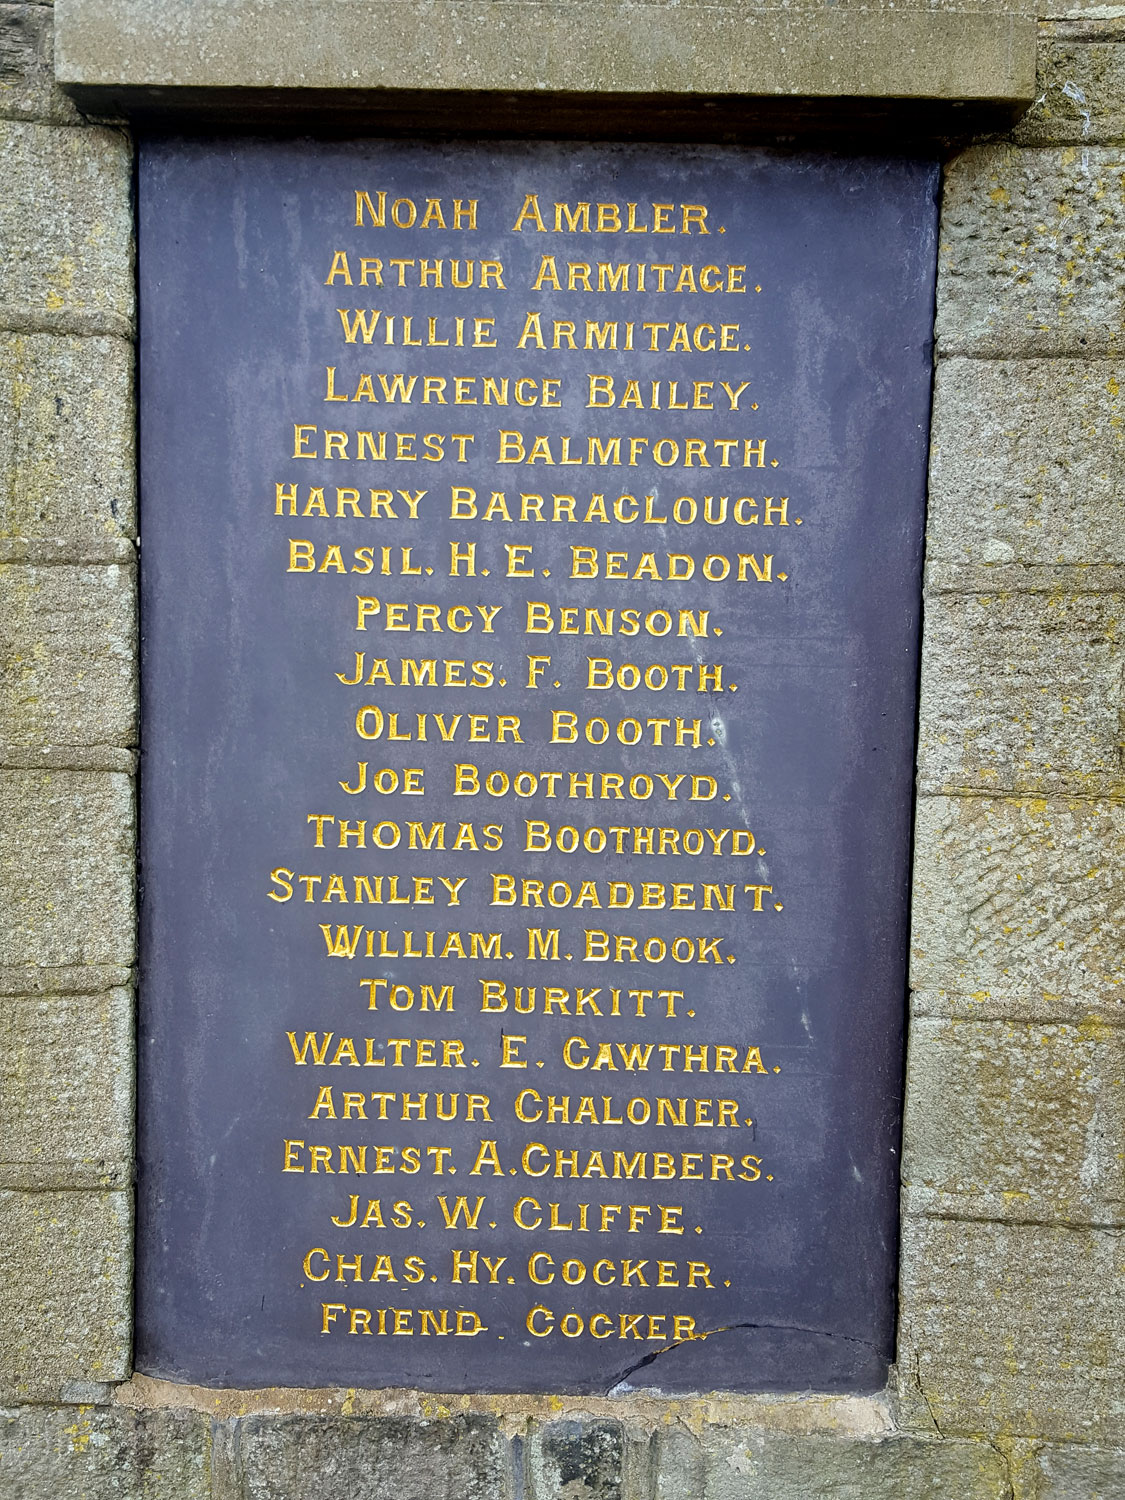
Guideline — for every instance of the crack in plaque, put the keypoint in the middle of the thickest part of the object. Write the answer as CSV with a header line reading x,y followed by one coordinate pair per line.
x,y
649,1359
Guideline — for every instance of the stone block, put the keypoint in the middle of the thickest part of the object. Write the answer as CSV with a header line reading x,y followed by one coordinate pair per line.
x,y
577,1457
1014,1328
66,1261
1027,461
67,641
737,1463
116,50
66,1088
66,223
1015,1120
66,441
1021,693
83,1453
1029,260
340,1458
27,72
1073,1471
66,868
1079,92
1020,900
1075,17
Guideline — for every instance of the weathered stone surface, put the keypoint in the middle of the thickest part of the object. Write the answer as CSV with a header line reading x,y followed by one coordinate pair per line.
x,y
66,758
1015,1121
66,1087
1022,693
83,1453
1079,94
740,1464
1047,1010
306,1458
81,979
65,1291
1027,462
66,868
915,52
66,441
1029,259
27,76
1020,899
65,220
1015,1328
1073,1471
1077,18
585,1458
1059,579
68,654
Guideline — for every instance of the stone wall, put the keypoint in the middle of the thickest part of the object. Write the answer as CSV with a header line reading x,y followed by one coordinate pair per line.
x,y
1012,1350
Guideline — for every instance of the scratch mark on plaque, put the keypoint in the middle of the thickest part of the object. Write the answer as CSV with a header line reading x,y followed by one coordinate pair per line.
x,y
717,727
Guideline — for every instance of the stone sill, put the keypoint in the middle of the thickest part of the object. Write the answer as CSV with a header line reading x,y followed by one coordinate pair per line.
x,y
867,1418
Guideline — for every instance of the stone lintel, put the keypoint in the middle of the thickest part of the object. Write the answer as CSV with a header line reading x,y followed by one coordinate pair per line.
x,y
683,70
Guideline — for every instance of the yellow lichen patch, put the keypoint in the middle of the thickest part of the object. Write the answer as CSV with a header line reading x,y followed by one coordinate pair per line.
x,y
62,280
79,1431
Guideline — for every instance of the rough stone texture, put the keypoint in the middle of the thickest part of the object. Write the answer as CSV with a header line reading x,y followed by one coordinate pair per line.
x,y
66,868
81,979
1027,462
65,1291
1020,899
66,1090
27,78
303,1458
167,1455
65,223
1023,578
582,46
1017,1121
66,442
1076,14
1048,1009
1072,1471
67,645
85,1453
1015,1328
1029,259
1079,92
584,1458
736,1464
67,656
1022,693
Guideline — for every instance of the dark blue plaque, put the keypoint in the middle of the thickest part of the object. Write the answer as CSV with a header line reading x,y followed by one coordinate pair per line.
x,y
531,544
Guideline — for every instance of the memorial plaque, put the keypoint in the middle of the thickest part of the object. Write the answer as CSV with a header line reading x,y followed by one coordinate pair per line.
x,y
530,577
